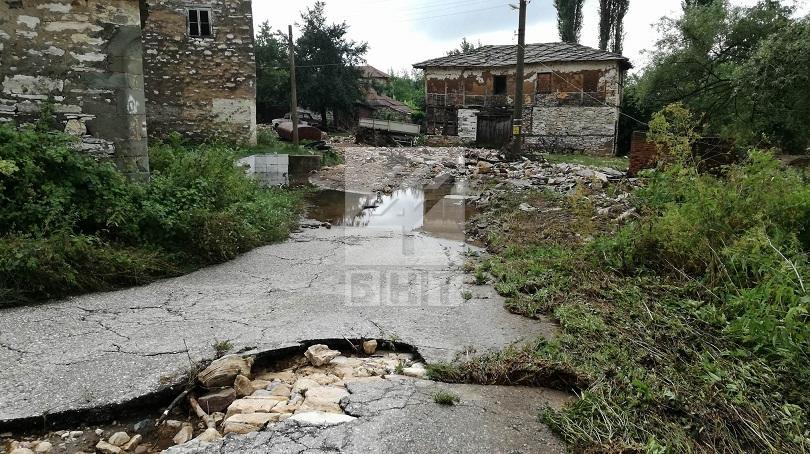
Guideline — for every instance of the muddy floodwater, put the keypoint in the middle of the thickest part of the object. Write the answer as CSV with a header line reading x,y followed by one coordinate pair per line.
x,y
438,210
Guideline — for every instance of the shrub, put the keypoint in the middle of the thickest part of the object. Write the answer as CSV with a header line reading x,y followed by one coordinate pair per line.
x,y
743,237
71,224
46,186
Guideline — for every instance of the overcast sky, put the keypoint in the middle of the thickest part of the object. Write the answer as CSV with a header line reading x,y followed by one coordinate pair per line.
x,y
403,32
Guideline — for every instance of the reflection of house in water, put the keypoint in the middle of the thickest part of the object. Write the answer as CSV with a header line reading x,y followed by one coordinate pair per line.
x,y
438,210
445,213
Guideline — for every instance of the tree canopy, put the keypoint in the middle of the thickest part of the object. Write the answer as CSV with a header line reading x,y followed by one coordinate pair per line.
x,y
464,48
272,67
569,19
611,24
741,70
328,78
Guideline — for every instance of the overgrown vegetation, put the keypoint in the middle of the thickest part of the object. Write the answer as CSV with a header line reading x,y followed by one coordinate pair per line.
x,y
686,330
740,69
613,162
70,224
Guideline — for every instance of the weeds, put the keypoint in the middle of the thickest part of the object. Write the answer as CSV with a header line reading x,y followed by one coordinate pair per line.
x,y
685,331
443,397
221,348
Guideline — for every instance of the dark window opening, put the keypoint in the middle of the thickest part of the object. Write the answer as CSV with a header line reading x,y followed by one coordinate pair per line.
x,y
544,84
199,23
500,85
590,81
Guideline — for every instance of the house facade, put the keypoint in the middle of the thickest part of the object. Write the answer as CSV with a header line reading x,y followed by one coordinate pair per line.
x,y
572,96
119,72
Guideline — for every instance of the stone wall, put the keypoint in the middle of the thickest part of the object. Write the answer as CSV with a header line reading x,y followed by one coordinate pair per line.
x,y
85,58
573,129
202,87
468,124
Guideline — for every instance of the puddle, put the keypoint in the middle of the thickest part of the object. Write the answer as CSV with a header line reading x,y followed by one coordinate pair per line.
x,y
438,210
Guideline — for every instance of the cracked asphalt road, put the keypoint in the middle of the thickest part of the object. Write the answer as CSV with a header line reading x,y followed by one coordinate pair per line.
x,y
397,415
111,347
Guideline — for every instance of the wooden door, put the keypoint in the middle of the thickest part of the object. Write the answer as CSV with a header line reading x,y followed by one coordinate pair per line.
x,y
494,131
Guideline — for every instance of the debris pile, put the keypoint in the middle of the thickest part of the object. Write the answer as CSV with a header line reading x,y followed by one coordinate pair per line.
x,y
236,399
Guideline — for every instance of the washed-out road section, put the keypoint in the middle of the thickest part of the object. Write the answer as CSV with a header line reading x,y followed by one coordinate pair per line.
x,y
109,348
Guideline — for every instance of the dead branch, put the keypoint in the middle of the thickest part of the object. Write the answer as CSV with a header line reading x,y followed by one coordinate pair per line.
x,y
171,406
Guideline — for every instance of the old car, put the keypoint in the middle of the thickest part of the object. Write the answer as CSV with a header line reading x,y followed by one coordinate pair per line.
x,y
304,118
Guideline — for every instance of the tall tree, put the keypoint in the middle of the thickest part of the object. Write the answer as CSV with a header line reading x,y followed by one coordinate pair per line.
x,y
329,77
569,19
700,61
466,47
272,68
611,24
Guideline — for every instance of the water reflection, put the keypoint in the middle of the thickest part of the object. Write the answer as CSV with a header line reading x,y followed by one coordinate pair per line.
x,y
438,210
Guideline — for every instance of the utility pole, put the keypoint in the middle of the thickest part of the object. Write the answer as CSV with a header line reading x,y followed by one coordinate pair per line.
x,y
517,121
293,94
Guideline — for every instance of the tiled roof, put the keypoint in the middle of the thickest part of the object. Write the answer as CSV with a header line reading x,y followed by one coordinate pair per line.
x,y
490,56
381,101
370,72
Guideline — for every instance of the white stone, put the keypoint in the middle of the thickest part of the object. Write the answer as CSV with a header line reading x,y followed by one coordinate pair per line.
x,y
369,347
318,418
185,434
43,447
133,442
319,355
209,436
107,448
119,438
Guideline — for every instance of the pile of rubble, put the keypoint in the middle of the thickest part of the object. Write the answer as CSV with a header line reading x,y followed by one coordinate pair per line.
x,y
239,400
562,178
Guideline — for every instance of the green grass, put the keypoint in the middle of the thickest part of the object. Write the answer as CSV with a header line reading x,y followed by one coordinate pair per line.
x,y
612,162
267,143
443,397
683,332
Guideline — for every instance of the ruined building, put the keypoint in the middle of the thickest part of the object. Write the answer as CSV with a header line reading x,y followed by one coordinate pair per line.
x,y
117,72
572,96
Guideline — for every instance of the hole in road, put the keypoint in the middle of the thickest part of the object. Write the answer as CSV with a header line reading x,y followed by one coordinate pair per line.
x,y
233,394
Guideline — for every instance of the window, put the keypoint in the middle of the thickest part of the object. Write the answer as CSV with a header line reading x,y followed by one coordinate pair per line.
x,y
544,84
199,23
590,82
500,85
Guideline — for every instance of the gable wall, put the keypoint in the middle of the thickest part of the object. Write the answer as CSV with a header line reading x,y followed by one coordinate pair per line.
x,y
203,88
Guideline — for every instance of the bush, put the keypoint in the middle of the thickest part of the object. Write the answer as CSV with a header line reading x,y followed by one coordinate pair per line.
x,y
71,224
743,237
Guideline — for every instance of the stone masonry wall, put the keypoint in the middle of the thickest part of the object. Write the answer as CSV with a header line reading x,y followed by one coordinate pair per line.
x,y
202,87
85,58
468,124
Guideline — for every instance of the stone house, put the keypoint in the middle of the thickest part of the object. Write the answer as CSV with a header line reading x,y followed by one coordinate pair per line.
x,y
572,95
121,72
